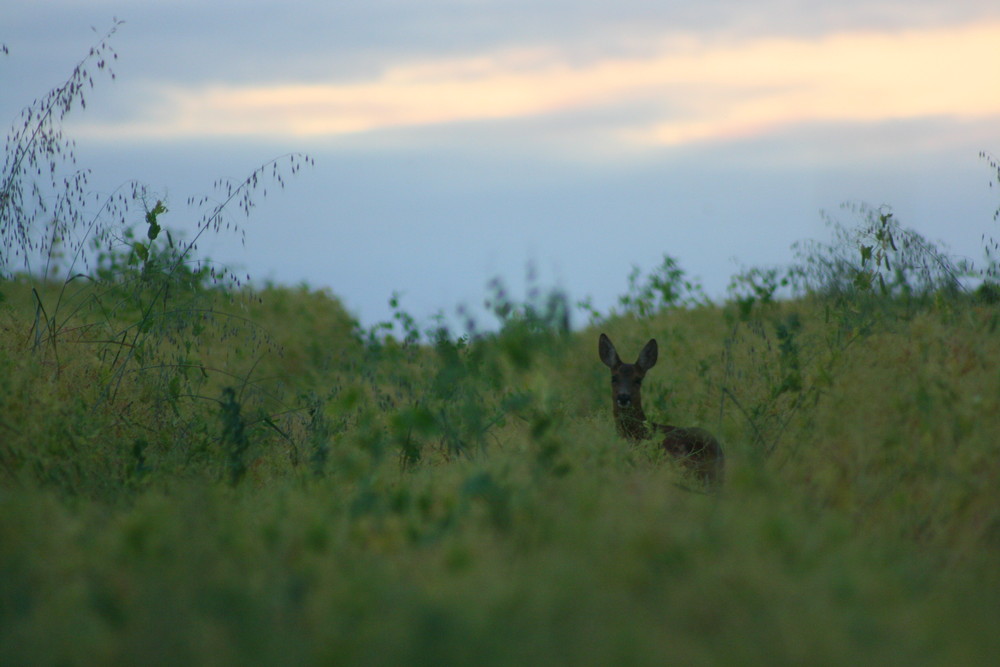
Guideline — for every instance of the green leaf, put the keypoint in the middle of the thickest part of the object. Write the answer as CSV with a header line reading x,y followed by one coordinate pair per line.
x,y
141,250
174,388
154,226
417,419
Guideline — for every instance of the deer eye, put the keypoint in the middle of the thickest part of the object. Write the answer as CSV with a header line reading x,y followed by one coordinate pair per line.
x,y
614,379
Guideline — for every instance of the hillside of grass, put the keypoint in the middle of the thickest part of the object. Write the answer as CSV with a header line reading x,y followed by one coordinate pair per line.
x,y
283,487
196,472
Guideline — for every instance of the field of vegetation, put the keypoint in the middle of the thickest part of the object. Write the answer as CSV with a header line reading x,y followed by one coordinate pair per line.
x,y
192,471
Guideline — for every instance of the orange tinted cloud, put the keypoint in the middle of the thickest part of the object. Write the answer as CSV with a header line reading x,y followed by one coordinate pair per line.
x,y
850,77
697,91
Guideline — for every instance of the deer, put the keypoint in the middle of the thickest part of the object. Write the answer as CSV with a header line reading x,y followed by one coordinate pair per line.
x,y
696,449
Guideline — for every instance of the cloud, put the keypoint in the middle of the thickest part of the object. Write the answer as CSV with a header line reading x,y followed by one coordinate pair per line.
x,y
854,77
696,91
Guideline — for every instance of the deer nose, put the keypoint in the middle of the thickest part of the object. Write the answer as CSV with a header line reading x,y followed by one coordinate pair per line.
x,y
624,399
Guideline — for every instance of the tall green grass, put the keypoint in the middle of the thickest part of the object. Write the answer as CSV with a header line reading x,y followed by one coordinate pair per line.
x,y
468,501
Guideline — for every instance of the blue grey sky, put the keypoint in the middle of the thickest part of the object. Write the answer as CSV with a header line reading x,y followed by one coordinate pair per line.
x,y
457,141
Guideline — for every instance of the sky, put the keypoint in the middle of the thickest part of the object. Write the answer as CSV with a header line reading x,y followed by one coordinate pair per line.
x,y
457,141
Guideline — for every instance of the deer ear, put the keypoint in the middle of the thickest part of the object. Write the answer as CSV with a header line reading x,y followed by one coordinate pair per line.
x,y
606,350
647,358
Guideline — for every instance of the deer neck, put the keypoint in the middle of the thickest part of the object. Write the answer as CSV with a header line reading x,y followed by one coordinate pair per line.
x,y
631,421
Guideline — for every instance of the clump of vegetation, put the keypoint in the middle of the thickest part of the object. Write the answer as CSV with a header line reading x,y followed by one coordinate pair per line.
x,y
150,315
192,470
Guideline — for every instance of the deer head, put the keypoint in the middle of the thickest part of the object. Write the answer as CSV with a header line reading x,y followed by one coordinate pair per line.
x,y
626,386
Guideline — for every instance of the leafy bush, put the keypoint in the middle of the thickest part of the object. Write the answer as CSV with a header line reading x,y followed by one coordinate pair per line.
x,y
667,286
877,255
149,313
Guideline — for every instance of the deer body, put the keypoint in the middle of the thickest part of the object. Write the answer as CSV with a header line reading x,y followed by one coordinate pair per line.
x,y
695,448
